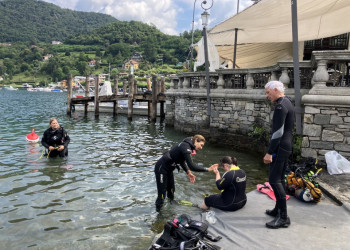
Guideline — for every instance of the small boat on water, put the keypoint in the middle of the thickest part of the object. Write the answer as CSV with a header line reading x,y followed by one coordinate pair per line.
x,y
10,88
56,90
26,85
32,89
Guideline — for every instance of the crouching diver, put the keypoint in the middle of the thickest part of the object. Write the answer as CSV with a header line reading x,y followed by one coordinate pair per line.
x,y
178,154
55,140
232,185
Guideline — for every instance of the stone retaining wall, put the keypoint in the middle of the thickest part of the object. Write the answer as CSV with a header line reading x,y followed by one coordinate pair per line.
x,y
326,127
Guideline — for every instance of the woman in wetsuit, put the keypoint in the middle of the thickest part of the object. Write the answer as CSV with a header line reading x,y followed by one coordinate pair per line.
x,y
232,186
180,154
55,140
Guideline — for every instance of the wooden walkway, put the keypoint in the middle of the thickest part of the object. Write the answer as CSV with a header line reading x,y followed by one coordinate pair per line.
x,y
153,96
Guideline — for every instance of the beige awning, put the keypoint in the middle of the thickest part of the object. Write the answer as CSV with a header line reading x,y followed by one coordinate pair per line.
x,y
265,29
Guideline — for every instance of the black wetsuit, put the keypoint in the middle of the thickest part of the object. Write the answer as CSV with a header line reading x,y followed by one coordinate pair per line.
x,y
56,138
280,148
178,154
233,196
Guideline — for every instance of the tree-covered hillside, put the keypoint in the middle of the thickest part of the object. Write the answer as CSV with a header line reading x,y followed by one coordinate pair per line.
x,y
121,38
32,20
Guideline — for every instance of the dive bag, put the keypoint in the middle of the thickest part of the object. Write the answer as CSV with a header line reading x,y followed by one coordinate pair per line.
x,y
185,233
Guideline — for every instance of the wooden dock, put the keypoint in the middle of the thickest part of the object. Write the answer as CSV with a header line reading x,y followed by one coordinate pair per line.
x,y
153,96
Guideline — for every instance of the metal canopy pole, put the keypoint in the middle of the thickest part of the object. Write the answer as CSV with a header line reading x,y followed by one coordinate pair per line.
x,y
298,110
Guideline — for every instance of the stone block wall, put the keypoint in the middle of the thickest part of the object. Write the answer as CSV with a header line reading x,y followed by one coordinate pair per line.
x,y
326,128
231,120
239,116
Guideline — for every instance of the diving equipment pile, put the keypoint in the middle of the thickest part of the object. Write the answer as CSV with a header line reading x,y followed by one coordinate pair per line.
x,y
301,181
185,233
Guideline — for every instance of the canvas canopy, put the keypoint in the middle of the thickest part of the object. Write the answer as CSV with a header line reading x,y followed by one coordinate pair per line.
x,y
265,30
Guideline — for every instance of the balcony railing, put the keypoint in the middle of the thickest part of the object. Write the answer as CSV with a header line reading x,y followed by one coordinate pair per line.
x,y
312,73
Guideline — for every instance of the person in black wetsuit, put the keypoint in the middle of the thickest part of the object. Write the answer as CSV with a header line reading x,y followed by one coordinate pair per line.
x,y
279,150
55,140
232,186
179,154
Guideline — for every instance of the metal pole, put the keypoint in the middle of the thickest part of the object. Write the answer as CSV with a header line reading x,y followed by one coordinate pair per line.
x,y
237,6
235,49
207,70
298,110
191,60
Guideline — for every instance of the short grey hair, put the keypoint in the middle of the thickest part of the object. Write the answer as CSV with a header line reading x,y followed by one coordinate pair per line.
x,y
275,85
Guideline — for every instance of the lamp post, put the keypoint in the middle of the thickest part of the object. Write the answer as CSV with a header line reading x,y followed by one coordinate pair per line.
x,y
205,17
194,8
191,60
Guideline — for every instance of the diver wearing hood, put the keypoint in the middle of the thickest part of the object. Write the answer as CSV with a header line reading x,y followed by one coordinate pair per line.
x,y
179,154
55,140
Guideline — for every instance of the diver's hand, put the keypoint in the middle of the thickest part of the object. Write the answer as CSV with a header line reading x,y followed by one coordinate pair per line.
x,y
267,159
191,176
215,170
51,148
60,147
212,167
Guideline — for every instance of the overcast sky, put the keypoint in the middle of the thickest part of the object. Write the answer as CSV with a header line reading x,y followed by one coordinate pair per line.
x,y
169,16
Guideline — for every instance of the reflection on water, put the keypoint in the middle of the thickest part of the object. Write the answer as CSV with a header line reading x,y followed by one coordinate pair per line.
x,y
102,196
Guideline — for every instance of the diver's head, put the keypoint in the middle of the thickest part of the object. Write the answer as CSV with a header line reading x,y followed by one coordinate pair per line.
x,y
54,124
198,141
228,161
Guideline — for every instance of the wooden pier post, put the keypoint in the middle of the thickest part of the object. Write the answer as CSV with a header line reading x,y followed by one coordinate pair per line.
x,y
162,90
124,87
69,95
154,98
130,97
149,87
96,101
116,90
87,93
135,87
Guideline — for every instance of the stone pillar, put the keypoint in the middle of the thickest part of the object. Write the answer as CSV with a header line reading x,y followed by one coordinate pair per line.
x,y
221,81
284,78
186,83
321,75
202,83
172,83
180,85
250,81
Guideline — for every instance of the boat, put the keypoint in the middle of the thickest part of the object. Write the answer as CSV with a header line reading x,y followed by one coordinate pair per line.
x,y
32,137
26,85
10,88
32,89
44,89
56,90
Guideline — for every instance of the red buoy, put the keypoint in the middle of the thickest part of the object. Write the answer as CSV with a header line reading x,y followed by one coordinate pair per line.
x,y
32,137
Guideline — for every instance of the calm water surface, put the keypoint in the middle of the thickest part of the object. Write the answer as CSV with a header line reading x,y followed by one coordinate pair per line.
x,y
102,196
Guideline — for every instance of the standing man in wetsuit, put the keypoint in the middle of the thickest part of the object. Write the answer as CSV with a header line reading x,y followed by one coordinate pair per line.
x,y
179,154
279,150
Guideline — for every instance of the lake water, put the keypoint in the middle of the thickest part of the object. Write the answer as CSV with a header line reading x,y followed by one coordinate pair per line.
x,y
102,196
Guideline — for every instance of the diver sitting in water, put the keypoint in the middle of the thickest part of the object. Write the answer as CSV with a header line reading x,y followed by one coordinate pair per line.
x,y
232,186
56,140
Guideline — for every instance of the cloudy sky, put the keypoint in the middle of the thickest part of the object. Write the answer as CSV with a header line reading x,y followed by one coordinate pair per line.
x,y
170,16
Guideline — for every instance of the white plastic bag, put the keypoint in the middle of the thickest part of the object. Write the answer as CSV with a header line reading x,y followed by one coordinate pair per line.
x,y
336,163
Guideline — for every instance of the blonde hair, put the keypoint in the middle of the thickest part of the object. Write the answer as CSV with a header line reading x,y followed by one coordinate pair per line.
x,y
53,119
198,138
